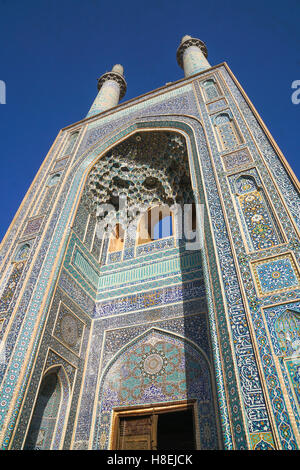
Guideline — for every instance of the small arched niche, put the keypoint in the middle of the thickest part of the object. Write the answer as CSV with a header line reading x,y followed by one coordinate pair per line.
x,y
46,424
245,184
23,252
257,218
227,132
211,89
71,142
54,179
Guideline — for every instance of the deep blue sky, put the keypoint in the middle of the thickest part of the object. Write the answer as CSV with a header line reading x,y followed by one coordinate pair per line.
x,y
53,51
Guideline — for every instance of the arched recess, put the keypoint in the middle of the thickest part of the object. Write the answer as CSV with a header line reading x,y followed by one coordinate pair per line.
x,y
148,171
158,367
46,426
96,152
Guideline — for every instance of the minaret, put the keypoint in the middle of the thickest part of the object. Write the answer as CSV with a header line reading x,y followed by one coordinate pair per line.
x,y
191,56
112,87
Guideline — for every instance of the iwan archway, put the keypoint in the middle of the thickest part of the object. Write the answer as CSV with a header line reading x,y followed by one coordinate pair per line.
x,y
141,281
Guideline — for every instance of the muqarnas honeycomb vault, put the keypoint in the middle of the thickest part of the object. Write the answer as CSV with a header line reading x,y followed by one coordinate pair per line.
x,y
113,337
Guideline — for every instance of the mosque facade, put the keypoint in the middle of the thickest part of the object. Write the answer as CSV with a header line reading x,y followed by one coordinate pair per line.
x,y
149,294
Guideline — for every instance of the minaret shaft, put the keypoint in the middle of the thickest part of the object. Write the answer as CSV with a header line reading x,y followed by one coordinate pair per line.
x,y
191,56
112,87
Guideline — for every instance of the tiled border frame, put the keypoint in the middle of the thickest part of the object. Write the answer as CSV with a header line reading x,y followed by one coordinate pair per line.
x,y
288,255
62,356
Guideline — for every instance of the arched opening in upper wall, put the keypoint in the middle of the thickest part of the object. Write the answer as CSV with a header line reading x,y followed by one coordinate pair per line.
x,y
132,193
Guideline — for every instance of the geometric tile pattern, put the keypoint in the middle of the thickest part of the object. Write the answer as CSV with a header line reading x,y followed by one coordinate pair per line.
x,y
283,423
60,164
226,131
276,274
70,143
33,226
216,105
262,441
287,328
257,217
210,88
283,324
153,271
22,252
238,425
68,329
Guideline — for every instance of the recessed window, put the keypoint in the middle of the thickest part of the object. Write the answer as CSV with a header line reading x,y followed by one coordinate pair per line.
x,y
155,224
163,228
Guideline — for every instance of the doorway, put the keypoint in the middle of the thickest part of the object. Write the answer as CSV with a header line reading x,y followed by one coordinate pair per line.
x,y
158,428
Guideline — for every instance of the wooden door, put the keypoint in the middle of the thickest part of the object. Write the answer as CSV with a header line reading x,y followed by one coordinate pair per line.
x,y
137,433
